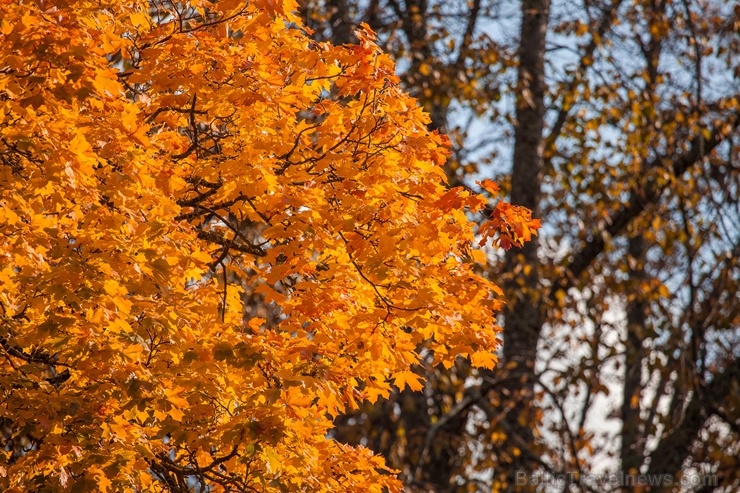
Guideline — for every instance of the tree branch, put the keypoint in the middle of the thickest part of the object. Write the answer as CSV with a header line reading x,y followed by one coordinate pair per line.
x,y
213,237
674,447
640,198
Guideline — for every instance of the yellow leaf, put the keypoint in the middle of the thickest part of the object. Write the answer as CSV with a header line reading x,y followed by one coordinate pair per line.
x,y
479,256
484,359
112,287
404,378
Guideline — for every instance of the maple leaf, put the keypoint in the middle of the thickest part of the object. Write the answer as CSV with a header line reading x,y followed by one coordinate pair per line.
x,y
217,234
489,185
408,378
510,224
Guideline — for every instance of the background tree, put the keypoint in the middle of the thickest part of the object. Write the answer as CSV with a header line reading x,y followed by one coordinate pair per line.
x,y
617,123
217,234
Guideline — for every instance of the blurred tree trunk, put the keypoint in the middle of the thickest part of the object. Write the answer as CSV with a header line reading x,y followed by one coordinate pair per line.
x,y
523,314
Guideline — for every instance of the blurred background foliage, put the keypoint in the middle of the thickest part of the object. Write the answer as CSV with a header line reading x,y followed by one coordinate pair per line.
x,y
617,123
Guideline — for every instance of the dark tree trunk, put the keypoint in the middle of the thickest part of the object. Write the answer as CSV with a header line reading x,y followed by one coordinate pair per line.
x,y
631,448
523,318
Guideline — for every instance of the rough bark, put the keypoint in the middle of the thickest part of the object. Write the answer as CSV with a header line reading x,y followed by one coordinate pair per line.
x,y
634,354
523,317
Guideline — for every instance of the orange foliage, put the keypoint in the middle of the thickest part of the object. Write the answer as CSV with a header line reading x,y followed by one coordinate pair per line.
x,y
510,225
158,162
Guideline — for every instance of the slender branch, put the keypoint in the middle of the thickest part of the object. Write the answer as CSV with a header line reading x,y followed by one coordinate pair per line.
x,y
640,198
213,237
673,448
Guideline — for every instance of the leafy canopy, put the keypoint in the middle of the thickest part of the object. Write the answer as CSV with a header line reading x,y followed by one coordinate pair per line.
x,y
161,165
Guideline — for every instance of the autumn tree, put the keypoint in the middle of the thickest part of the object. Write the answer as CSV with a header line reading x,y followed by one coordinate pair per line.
x,y
617,123
216,235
